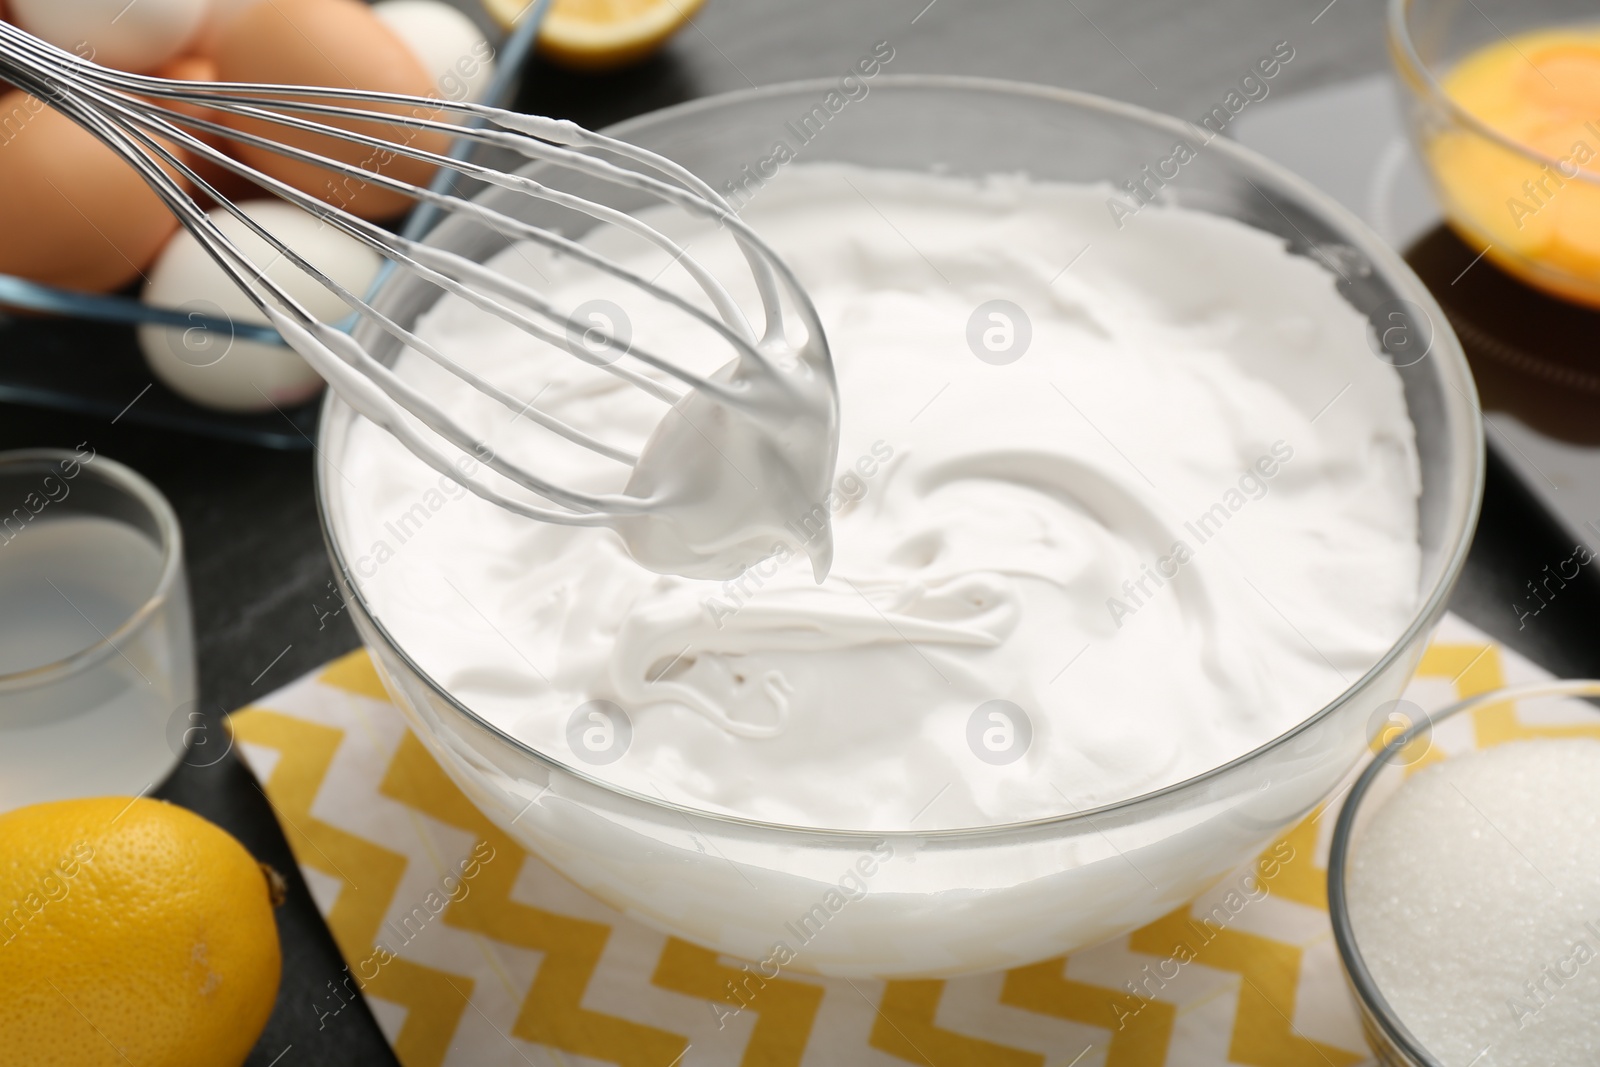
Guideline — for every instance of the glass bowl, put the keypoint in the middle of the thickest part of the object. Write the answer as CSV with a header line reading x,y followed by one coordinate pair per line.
x,y
1479,722
970,900
1533,210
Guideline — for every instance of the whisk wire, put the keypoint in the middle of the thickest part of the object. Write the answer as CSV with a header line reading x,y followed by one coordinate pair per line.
x,y
228,97
129,113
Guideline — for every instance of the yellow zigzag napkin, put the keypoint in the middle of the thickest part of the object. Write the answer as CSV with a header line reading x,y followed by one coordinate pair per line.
x,y
473,953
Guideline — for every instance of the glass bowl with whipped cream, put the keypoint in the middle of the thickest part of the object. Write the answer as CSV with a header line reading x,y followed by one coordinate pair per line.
x,y
1155,470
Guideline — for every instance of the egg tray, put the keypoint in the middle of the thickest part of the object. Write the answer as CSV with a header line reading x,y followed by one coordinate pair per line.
x,y
87,361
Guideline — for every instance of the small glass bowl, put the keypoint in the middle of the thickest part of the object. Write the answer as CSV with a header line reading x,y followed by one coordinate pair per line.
x,y
1473,724
1479,173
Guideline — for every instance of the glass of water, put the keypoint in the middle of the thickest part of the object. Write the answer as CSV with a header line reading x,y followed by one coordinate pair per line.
x,y
96,643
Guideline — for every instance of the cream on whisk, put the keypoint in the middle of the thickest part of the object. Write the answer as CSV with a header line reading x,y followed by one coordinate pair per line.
x,y
1097,527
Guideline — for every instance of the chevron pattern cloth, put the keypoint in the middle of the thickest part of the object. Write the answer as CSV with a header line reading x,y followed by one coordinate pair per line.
x,y
473,953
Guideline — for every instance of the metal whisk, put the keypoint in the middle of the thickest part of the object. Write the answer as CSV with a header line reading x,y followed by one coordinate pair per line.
x,y
767,378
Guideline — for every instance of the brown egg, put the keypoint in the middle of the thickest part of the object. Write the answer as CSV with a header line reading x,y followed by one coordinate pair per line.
x,y
72,213
340,44
226,182
222,12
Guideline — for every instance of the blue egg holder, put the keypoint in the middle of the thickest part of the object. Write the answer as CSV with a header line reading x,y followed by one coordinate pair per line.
x,y
77,352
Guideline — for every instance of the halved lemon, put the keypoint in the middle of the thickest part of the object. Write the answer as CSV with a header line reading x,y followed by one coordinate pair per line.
x,y
600,34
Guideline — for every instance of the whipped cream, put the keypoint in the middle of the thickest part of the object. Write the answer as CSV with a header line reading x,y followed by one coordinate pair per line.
x,y
1178,523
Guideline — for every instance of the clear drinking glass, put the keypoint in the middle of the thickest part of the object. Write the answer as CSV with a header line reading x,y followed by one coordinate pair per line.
x,y
96,644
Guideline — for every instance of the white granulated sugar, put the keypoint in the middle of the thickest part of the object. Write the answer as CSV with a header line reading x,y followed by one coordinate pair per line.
x,y
1475,900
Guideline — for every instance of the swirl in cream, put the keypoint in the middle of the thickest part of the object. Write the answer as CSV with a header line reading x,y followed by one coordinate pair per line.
x,y
1179,523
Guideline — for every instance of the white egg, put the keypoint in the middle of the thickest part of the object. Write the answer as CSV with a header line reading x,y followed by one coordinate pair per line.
x,y
451,47
136,36
230,373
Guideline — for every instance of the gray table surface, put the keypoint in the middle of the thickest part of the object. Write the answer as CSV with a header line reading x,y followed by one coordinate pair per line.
x,y
256,563
1174,57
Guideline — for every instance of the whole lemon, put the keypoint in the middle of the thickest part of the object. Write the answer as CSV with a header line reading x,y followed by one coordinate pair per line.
x,y
131,932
